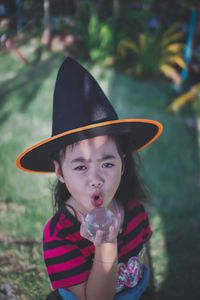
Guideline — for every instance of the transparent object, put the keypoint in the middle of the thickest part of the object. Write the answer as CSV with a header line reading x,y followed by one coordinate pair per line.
x,y
100,218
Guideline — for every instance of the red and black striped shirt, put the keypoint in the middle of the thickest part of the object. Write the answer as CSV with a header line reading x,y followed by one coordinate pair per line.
x,y
68,256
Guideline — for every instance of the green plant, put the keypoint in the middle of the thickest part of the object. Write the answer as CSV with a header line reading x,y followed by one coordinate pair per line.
x,y
155,52
99,37
185,98
100,40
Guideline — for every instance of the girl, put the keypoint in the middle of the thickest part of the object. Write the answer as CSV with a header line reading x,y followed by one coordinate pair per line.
x,y
91,153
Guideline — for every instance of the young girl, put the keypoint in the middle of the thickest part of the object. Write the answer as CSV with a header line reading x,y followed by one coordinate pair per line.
x,y
91,153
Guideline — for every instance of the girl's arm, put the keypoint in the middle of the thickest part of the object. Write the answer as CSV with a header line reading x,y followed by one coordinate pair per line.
x,y
102,279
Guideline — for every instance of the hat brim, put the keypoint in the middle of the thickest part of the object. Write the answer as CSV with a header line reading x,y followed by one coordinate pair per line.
x,y
38,158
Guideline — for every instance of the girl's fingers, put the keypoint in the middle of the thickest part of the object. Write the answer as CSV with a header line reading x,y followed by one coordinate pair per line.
x,y
84,233
114,230
82,218
83,228
98,238
118,217
111,233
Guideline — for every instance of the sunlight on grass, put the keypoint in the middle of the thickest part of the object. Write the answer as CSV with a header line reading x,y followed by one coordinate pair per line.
x,y
158,250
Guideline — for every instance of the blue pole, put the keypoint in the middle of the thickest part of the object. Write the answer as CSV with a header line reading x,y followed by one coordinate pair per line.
x,y
188,48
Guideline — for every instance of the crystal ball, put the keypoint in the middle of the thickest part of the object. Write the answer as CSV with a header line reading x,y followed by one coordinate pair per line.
x,y
100,218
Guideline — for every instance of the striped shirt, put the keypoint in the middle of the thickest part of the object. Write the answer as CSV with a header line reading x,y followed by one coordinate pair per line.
x,y
68,256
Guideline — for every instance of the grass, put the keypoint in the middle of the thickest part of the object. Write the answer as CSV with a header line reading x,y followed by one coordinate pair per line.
x,y
169,170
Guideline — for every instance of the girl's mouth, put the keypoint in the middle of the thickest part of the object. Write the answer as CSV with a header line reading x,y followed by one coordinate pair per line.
x,y
97,199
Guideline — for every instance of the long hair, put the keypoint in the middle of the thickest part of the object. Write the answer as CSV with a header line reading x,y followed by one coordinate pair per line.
x,y
130,188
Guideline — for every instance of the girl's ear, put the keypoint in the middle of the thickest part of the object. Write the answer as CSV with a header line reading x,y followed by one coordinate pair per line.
x,y
58,171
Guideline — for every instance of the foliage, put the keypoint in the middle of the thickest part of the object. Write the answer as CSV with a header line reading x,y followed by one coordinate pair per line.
x,y
184,98
154,52
99,37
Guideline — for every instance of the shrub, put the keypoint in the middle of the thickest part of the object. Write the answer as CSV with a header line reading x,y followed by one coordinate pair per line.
x,y
154,53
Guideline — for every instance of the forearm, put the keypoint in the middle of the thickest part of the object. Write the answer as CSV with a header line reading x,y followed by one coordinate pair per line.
x,y
102,280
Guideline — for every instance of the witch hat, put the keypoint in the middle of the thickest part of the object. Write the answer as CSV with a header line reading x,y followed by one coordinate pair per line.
x,y
81,111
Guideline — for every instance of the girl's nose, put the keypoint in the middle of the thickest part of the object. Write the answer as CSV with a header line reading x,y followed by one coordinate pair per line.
x,y
96,184
96,180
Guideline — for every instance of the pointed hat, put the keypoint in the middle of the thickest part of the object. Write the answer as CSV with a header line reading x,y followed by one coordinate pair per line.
x,y
82,111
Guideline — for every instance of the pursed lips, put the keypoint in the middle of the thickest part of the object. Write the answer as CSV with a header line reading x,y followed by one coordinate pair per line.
x,y
97,199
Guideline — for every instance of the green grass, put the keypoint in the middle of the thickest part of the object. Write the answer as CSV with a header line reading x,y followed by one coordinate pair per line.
x,y
169,170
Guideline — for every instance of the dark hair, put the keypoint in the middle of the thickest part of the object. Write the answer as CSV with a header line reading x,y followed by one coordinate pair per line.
x,y
130,187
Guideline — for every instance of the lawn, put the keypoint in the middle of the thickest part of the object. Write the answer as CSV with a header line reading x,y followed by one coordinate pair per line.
x,y
169,169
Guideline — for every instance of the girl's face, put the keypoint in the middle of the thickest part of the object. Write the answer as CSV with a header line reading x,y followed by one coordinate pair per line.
x,y
89,168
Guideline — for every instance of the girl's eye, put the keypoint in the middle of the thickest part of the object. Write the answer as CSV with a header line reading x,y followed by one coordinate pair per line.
x,y
80,168
107,165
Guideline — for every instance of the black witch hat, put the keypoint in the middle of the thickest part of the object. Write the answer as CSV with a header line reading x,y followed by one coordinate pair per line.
x,y
82,111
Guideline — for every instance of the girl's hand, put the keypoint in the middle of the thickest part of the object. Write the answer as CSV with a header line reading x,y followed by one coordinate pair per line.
x,y
97,239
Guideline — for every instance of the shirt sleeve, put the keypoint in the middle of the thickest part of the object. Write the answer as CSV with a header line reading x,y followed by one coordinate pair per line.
x,y
65,264
139,221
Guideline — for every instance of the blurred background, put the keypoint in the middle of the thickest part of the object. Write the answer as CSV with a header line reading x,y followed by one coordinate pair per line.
x,y
146,57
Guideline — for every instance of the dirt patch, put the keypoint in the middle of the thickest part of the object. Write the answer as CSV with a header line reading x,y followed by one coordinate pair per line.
x,y
9,291
12,261
6,206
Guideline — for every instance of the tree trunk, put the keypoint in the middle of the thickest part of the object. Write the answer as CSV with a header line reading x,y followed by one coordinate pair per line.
x,y
20,16
47,31
116,8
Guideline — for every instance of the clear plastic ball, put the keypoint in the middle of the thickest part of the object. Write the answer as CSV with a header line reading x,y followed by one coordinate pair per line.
x,y
100,218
